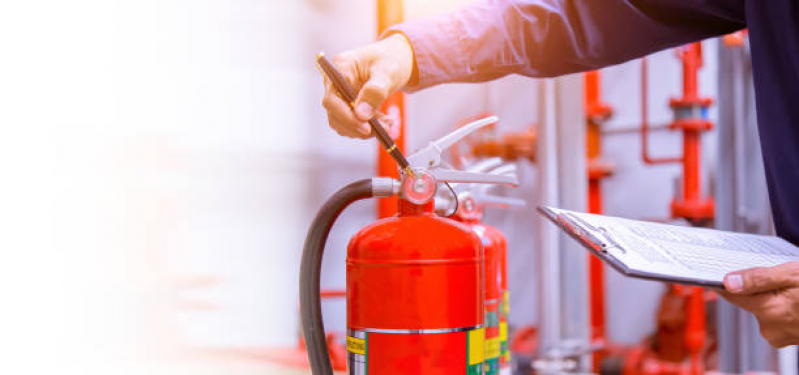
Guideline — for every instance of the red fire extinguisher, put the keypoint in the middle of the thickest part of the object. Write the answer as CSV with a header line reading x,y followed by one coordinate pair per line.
x,y
484,200
414,281
470,212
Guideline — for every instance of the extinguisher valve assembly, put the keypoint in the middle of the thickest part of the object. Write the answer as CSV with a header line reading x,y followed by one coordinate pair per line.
x,y
416,189
429,159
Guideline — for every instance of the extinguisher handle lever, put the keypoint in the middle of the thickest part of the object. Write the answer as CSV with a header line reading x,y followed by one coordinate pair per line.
x,y
450,139
450,175
485,165
507,169
430,157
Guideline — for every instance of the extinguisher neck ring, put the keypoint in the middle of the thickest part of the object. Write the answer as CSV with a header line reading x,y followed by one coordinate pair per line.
x,y
385,187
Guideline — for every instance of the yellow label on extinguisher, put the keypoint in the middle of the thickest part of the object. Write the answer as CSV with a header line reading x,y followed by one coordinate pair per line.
x,y
476,346
356,346
503,337
493,348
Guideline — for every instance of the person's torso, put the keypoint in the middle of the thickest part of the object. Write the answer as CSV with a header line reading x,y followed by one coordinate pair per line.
x,y
774,39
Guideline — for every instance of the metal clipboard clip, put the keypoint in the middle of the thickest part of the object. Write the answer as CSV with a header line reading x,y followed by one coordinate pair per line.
x,y
585,231
612,243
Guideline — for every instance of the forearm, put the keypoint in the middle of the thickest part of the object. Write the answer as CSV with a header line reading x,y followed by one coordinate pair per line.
x,y
447,46
492,38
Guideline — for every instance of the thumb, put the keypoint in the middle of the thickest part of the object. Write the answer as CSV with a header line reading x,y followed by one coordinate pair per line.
x,y
373,93
762,279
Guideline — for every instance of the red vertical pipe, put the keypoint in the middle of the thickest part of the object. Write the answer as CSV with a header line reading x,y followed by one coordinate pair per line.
x,y
695,321
695,326
694,312
689,204
390,12
691,62
595,112
691,157
596,275
597,272
594,197
592,94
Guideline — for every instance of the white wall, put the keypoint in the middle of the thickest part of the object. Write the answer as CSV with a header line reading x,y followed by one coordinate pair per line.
x,y
216,95
157,164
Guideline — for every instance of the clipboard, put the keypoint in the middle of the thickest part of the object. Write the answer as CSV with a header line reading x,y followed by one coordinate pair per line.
x,y
678,266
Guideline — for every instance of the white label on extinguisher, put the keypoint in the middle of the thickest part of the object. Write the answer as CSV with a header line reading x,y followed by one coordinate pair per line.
x,y
357,351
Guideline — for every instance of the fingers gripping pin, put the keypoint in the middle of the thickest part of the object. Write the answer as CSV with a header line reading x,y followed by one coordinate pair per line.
x,y
349,95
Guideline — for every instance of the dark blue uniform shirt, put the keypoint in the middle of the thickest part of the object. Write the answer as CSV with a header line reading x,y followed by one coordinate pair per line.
x,y
544,38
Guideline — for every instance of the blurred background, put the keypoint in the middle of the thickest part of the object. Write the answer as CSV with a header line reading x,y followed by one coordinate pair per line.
x,y
161,162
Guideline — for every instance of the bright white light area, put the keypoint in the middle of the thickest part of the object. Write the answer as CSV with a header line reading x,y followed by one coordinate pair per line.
x,y
150,179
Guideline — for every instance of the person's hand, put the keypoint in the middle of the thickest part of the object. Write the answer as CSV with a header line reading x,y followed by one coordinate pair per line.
x,y
375,71
772,295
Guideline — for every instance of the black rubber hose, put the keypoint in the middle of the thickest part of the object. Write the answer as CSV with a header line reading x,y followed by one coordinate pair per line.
x,y
311,267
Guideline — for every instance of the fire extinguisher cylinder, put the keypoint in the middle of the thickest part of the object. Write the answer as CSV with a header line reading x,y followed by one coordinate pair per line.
x,y
414,282
470,202
497,355
415,296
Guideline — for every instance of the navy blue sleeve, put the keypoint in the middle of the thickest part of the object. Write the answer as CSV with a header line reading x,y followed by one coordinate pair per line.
x,y
544,38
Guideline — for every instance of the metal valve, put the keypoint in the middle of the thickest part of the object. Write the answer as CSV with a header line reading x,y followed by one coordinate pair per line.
x,y
429,168
418,189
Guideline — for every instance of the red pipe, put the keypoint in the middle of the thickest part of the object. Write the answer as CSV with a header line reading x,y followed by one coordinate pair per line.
x,y
596,272
596,113
645,123
672,352
690,204
736,39
390,12
593,101
695,329
594,196
691,62
691,157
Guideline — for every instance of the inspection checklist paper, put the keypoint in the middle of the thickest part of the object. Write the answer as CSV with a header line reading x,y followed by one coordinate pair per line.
x,y
678,254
